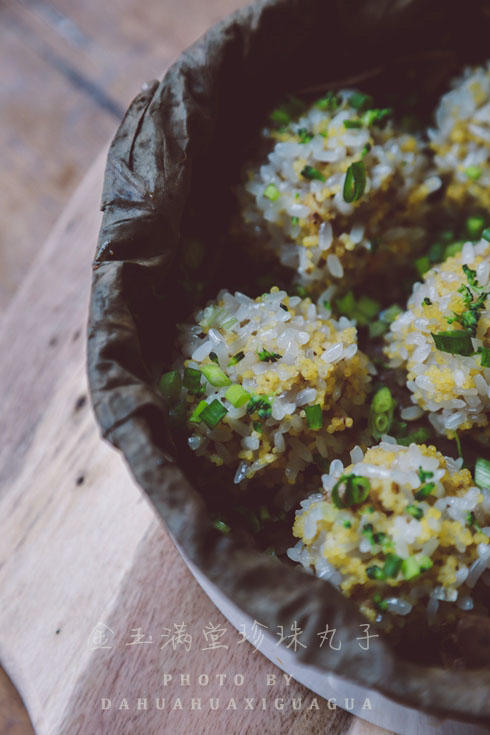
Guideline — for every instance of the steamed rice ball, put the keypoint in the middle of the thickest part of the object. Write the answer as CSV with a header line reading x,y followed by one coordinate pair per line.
x,y
341,188
399,530
270,383
442,341
461,139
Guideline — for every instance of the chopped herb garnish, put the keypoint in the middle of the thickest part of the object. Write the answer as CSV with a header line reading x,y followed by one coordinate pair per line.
x,y
425,490
257,427
214,357
371,117
415,511
485,357
422,265
456,342
347,524
330,101
215,375
261,405
237,396
170,385
192,381
475,226
424,474
311,173
213,413
390,314
381,412
314,417
266,356
375,572
352,124
360,101
366,149
354,489
473,172
236,358
392,565
294,221
271,192
379,603
471,521
304,135
410,568
427,301
482,473
469,318
419,436
196,414
486,234
354,182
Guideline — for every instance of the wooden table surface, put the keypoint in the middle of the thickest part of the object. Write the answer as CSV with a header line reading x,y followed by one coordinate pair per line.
x,y
80,548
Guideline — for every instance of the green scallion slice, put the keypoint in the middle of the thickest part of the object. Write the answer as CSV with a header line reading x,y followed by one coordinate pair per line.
x,y
482,473
329,102
304,135
237,396
354,182
473,172
410,568
266,356
215,375
314,417
312,174
214,357
221,526
354,488
359,101
348,124
485,357
422,264
425,562
170,385
375,572
415,511
486,234
192,381
455,341
382,401
271,192
475,226
236,358
371,117
196,414
213,413
424,491
392,565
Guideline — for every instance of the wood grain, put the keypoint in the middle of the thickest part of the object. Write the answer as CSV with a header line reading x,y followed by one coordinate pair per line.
x,y
68,70
79,544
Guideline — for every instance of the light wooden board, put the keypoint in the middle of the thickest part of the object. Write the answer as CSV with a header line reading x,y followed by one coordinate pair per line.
x,y
80,545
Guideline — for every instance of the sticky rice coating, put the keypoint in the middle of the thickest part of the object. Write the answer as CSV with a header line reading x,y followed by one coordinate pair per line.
x,y
402,550
296,198
453,388
282,357
461,138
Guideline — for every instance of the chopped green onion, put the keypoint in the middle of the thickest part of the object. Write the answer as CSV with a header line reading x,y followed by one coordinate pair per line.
x,y
473,172
486,234
376,115
237,396
215,375
379,603
424,474
196,414
382,401
377,329
347,305
453,249
311,173
170,385
294,221
392,565
192,381
471,521
415,511
419,436
329,102
214,357
271,192
221,526
390,314
213,413
280,116
485,357
352,124
422,265
347,524
425,562
410,568
456,342
424,491
427,301
314,417
367,306
482,473
475,226
266,356
304,135
366,150
375,572
257,427
354,182
261,405
236,358
355,490
360,101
